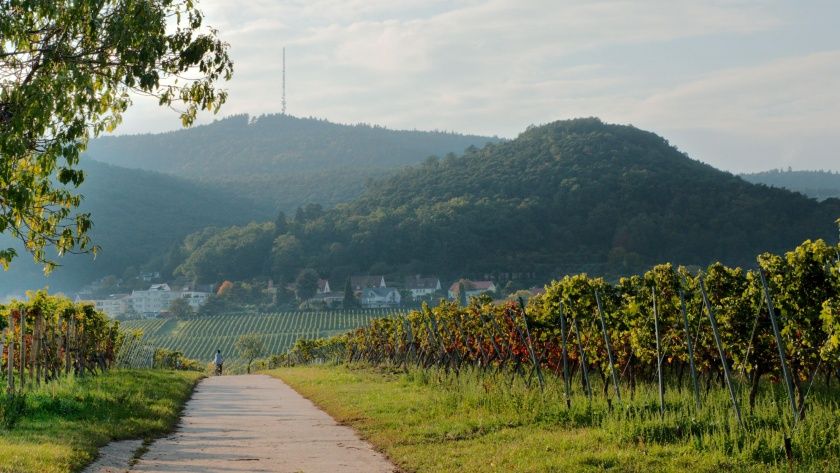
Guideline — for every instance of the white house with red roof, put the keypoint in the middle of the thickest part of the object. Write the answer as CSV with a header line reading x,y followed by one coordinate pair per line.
x,y
360,283
420,286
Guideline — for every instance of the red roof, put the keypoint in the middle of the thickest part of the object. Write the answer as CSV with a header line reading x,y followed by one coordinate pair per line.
x,y
472,285
417,282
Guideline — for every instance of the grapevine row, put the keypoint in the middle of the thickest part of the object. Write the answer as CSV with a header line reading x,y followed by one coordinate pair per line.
x,y
722,325
48,337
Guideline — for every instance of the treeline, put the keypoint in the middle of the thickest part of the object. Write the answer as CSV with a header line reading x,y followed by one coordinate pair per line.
x,y
284,160
817,184
666,322
570,196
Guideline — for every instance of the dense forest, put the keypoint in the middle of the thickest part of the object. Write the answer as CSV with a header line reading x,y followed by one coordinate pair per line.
x,y
138,216
566,197
280,159
820,185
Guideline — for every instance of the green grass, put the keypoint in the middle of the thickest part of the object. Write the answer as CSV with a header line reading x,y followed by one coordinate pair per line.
x,y
199,337
430,422
66,421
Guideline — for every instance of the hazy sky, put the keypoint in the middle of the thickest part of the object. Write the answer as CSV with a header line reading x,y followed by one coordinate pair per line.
x,y
741,84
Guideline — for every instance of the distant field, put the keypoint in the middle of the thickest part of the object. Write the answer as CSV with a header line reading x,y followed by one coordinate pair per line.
x,y
200,337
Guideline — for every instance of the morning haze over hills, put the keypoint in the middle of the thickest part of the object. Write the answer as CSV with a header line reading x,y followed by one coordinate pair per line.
x,y
569,196
518,236
576,195
820,184
233,171
279,159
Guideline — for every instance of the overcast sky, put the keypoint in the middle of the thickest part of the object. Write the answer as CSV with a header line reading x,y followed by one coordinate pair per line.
x,y
742,84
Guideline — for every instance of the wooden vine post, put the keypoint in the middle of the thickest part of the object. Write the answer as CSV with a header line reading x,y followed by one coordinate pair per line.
x,y
22,349
530,345
691,365
607,345
11,354
726,375
658,354
566,380
67,329
3,339
34,363
80,350
779,345
36,344
584,370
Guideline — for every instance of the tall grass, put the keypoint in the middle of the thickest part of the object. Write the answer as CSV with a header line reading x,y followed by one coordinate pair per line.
x,y
61,424
637,421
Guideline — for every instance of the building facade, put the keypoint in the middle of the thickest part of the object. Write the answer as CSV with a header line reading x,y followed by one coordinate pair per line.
x,y
149,302
379,297
471,288
422,286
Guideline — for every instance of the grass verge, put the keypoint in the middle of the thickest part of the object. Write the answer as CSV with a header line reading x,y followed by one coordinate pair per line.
x,y
65,422
429,422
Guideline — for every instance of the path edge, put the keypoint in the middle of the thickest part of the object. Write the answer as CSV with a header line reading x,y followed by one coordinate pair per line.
x,y
397,467
147,440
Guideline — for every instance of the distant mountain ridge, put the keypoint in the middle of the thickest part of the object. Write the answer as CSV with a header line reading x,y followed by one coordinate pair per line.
x,y
281,160
138,216
569,196
817,184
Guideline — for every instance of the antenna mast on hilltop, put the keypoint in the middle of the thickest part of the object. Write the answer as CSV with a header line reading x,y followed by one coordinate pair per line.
x,y
283,101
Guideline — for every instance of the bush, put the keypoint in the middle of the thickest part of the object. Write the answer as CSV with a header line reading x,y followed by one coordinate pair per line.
x,y
175,360
12,409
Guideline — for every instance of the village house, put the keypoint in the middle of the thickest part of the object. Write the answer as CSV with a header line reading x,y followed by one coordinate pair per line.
x,y
360,283
195,299
153,301
378,297
149,276
471,288
113,305
150,302
332,300
323,287
422,286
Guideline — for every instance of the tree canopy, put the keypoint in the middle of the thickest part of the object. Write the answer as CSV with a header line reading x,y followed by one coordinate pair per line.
x,y
67,69
570,196
285,160
250,347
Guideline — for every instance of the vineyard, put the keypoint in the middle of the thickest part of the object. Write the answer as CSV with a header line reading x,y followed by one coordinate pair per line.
x,y
48,337
199,338
742,361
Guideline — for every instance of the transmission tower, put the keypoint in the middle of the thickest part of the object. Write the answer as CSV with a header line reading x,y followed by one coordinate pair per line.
x,y
283,100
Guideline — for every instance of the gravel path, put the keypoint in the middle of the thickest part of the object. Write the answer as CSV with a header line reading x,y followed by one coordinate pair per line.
x,y
257,423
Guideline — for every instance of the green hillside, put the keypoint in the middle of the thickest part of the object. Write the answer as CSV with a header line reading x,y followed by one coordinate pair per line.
x,y
138,216
283,160
570,196
817,184
199,338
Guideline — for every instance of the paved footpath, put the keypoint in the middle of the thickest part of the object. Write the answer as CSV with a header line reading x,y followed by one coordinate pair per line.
x,y
257,423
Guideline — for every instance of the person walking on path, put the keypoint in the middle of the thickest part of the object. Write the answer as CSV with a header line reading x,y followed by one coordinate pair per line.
x,y
218,361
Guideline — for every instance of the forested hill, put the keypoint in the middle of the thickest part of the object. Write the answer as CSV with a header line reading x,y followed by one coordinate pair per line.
x,y
569,196
138,217
280,159
818,184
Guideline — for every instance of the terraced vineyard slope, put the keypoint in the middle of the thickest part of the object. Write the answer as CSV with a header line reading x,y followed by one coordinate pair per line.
x,y
200,337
